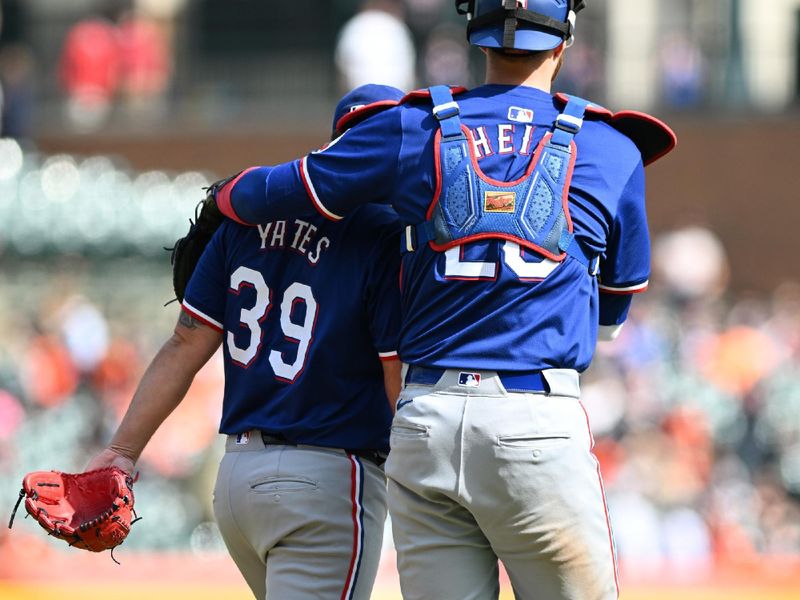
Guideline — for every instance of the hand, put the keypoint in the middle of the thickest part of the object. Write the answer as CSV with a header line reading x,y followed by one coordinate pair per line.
x,y
111,458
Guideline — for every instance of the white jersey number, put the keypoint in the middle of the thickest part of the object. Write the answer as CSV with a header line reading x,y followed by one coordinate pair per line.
x,y
455,268
251,318
300,333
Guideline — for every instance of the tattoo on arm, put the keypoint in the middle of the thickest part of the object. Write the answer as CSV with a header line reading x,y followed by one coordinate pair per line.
x,y
188,320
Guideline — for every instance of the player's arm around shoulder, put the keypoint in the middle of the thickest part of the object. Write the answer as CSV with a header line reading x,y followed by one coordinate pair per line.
x,y
357,167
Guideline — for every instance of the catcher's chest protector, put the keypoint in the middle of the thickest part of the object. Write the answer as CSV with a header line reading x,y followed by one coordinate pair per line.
x,y
467,205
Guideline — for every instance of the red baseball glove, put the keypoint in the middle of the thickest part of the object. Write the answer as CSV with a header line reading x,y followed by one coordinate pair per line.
x,y
92,510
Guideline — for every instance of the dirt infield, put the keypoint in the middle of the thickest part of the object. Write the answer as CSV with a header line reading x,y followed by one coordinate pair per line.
x,y
16,591
38,569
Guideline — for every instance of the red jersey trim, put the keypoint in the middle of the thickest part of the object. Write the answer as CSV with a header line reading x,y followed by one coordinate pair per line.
x,y
224,198
202,317
631,289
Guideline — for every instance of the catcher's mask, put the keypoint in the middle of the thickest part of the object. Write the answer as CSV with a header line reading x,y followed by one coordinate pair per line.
x,y
520,24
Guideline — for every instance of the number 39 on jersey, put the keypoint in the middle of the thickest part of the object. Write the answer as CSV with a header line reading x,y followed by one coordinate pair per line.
x,y
298,330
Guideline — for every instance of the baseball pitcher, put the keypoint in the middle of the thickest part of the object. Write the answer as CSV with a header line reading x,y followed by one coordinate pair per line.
x,y
307,311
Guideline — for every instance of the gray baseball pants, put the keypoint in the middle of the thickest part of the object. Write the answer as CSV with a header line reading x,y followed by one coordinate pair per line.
x,y
478,474
301,521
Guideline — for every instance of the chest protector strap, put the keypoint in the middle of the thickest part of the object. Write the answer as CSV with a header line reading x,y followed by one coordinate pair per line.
x,y
467,205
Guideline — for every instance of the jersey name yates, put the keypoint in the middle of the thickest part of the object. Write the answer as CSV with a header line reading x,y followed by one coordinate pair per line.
x,y
299,236
505,142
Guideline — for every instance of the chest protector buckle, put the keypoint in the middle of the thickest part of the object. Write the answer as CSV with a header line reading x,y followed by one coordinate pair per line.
x,y
467,205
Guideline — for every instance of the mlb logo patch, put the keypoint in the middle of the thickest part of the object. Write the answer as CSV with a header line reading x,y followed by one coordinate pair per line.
x,y
499,202
243,438
520,115
469,379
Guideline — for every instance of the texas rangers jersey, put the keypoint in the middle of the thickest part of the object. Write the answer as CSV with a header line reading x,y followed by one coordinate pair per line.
x,y
485,304
308,308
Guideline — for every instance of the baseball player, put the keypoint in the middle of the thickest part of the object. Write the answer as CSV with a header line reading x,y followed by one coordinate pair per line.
x,y
308,312
525,238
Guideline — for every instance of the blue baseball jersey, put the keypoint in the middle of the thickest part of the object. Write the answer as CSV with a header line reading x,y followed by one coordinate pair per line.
x,y
487,304
308,308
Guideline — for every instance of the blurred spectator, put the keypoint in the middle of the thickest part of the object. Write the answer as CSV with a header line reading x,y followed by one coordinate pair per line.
x,y
375,46
681,71
737,359
48,375
691,263
146,63
424,13
784,323
85,333
161,9
18,98
11,415
117,374
637,529
687,543
583,72
90,71
446,58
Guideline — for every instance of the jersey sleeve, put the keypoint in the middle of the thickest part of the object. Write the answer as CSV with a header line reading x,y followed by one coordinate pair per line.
x,y
357,167
360,165
382,290
625,268
206,292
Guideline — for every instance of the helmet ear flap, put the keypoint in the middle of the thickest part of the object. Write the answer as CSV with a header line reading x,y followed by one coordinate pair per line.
x,y
571,19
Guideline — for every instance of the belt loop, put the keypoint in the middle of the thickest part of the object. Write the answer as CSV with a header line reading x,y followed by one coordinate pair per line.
x,y
563,382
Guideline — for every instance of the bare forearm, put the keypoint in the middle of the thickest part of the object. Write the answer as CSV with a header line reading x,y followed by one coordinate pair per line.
x,y
163,386
160,391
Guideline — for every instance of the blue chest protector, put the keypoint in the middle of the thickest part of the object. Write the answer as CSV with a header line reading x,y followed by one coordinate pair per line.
x,y
467,205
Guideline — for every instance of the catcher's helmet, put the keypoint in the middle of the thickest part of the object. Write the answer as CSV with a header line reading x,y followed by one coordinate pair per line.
x,y
520,24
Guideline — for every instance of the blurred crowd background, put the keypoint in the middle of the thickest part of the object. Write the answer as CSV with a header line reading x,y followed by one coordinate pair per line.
x,y
695,408
131,65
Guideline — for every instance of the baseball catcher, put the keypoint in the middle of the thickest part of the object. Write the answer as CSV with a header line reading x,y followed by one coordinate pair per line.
x,y
91,510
